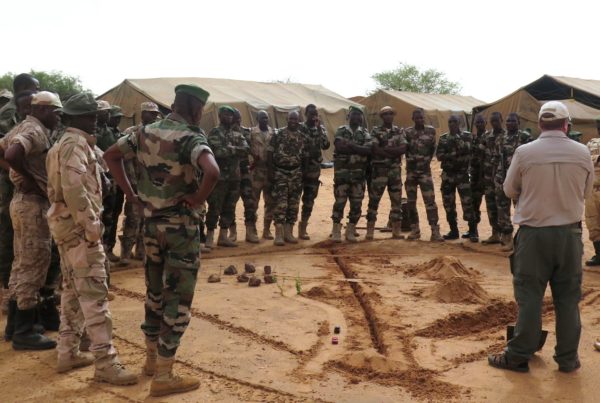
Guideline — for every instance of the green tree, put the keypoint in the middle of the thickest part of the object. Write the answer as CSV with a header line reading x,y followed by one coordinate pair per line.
x,y
55,81
408,77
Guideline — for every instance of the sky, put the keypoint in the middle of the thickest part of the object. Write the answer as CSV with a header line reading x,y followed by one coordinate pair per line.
x,y
491,48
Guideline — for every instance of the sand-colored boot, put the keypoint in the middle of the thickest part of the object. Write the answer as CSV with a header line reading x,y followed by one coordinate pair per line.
x,y
69,361
233,232
397,230
267,230
210,239
224,239
149,368
370,230
288,233
435,234
166,383
493,239
336,232
507,243
350,232
279,240
302,234
415,232
251,235
110,370
126,248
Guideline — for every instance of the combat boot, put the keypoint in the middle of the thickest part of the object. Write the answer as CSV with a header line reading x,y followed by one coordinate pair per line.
x,y
251,235
302,234
47,311
69,361
151,355
110,370
595,260
351,232
279,241
140,250
110,255
233,232
24,337
210,237
288,233
473,233
453,233
4,303
435,234
507,243
336,232
165,382
370,230
84,342
9,330
126,247
493,239
267,230
397,230
415,232
224,240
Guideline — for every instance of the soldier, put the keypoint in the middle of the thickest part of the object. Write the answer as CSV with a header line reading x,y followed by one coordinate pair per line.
x,y
134,220
110,234
573,134
260,136
315,140
487,147
286,159
74,190
353,145
419,152
476,175
228,147
506,145
8,113
5,97
25,149
454,153
592,201
390,144
171,224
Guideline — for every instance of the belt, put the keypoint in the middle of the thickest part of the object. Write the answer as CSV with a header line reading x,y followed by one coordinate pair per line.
x,y
289,169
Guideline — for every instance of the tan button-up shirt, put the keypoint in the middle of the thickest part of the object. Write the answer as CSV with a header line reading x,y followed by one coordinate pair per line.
x,y
549,179
259,141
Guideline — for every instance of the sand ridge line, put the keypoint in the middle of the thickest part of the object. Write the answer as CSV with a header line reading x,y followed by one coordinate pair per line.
x,y
476,356
269,250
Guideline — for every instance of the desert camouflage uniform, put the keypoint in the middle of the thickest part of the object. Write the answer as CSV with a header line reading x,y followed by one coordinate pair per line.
x,y
349,175
8,119
315,140
75,193
259,141
386,172
592,201
454,153
289,159
246,191
476,175
167,152
419,152
134,219
506,145
222,200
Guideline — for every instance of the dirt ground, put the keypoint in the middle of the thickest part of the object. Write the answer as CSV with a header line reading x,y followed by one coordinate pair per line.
x,y
417,321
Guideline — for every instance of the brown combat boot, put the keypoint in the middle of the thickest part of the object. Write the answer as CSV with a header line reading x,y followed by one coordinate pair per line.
x,y
251,235
151,355
224,240
493,239
288,233
302,234
435,234
507,243
351,233
210,239
166,383
232,232
370,230
72,360
267,230
279,241
397,230
415,232
336,232
110,370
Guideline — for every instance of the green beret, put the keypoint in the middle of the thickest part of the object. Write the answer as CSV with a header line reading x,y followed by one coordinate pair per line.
x,y
226,108
353,108
115,111
193,90
80,104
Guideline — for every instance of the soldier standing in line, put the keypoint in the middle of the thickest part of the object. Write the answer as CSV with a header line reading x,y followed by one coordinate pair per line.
x,y
592,201
487,147
454,153
476,175
260,137
419,152
228,147
114,119
353,146
5,97
315,140
506,145
176,163
389,145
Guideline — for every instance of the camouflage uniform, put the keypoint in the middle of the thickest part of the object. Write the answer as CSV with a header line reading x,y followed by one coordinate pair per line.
x,y
386,172
288,153
167,152
419,152
246,192
592,201
486,153
454,153
8,119
476,175
315,140
259,141
349,175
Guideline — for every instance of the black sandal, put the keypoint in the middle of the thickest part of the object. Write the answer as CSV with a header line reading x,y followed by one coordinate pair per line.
x,y
502,362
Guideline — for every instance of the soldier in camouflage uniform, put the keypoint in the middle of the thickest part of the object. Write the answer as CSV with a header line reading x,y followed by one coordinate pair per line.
x,y
260,136
454,153
476,175
353,146
592,201
419,152
110,235
228,147
487,147
315,140
506,145
390,144
573,134
286,159
177,173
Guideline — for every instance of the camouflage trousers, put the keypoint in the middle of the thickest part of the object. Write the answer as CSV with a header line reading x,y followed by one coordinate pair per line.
x,y
247,196
383,176
287,188
171,269
32,248
352,191
490,204
425,182
260,184
477,192
221,204
132,226
503,204
6,229
113,206
592,215
452,182
83,302
310,190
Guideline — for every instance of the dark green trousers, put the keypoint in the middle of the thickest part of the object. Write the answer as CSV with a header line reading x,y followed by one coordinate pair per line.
x,y
542,256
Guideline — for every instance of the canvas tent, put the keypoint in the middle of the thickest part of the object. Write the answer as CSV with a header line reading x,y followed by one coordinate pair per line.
x,y
247,96
581,96
438,108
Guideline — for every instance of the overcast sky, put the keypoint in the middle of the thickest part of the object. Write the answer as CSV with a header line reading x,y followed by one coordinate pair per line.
x,y
490,47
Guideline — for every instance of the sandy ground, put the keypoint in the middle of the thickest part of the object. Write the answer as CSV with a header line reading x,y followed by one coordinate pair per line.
x,y
417,320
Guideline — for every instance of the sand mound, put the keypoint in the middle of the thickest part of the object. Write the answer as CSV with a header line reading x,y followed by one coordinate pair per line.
x,y
442,268
458,290
371,361
320,293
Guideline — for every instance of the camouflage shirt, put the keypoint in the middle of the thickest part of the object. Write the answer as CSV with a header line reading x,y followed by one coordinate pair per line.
x,y
506,145
352,166
130,164
315,140
420,148
287,148
477,158
220,141
244,159
167,153
594,146
454,152
105,137
393,137
487,146
259,141
8,117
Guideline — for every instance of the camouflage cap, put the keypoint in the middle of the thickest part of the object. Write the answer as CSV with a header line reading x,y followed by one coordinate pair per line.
x,y
46,98
6,94
226,108
115,111
80,104
193,90
386,109
353,108
103,105
149,107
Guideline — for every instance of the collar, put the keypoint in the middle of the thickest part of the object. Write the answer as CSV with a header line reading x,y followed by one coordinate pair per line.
x,y
553,133
89,138
36,121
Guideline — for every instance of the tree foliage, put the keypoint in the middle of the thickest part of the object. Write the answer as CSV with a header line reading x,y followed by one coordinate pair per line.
x,y
55,81
408,77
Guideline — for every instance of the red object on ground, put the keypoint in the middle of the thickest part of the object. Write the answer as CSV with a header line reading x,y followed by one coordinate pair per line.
x,y
334,340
